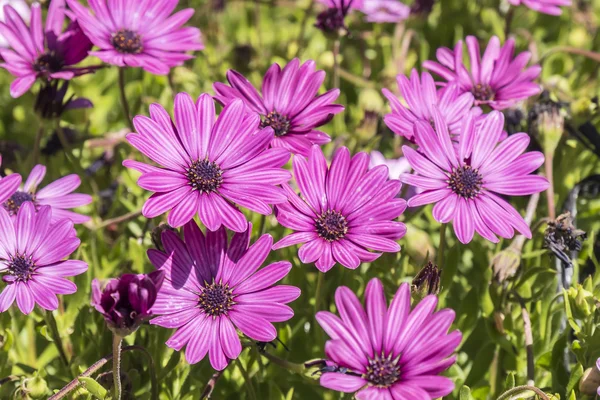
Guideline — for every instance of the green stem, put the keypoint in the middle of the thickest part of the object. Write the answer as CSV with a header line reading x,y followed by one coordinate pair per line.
x,y
116,371
336,63
290,366
38,143
319,290
251,392
442,246
508,21
519,389
124,102
53,327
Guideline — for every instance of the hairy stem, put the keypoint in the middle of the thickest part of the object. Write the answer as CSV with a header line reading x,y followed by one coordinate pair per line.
x,y
290,366
124,102
116,371
210,386
519,389
550,192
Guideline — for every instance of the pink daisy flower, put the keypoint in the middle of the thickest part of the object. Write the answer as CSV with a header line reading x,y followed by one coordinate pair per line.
x,y
345,209
21,7
9,185
140,33
57,195
32,253
289,103
38,52
551,7
390,353
420,95
496,79
396,167
382,11
466,185
208,164
211,288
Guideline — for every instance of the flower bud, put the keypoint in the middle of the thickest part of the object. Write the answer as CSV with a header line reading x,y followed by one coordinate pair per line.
x,y
590,381
35,388
506,263
427,280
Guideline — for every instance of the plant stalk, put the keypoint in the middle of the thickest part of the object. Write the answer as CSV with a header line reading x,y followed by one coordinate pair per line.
x,y
124,102
53,327
116,370
442,246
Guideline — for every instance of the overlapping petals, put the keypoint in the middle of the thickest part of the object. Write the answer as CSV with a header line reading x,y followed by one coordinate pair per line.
x,y
551,7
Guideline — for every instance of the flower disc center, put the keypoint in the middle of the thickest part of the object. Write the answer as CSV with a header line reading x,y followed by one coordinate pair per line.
x,y
331,225
483,92
279,123
465,181
216,299
204,176
127,42
382,371
48,62
13,204
21,267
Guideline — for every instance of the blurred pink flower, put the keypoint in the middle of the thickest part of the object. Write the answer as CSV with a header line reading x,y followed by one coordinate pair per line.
x,y
551,7
21,7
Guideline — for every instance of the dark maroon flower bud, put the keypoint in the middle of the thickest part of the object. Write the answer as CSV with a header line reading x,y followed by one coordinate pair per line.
x,y
331,21
52,100
126,302
427,280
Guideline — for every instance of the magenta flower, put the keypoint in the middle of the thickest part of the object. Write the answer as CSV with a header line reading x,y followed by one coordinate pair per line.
x,y
496,78
139,33
32,252
344,210
467,184
41,52
210,289
21,7
390,353
289,103
421,95
551,7
58,195
396,167
208,164
126,302
382,11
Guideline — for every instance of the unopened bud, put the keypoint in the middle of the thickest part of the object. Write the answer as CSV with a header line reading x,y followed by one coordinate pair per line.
x,y
506,263
35,388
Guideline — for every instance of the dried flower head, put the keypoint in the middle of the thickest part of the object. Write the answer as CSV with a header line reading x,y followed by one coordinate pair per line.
x,y
427,280
562,236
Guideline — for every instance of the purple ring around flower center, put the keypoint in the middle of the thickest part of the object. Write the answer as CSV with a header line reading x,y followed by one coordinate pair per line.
x,y
280,123
127,42
465,182
383,371
204,176
216,299
331,225
48,62
483,92
13,204
21,267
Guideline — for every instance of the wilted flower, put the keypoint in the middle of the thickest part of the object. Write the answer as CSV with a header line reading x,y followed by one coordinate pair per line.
x,y
51,102
139,33
126,302
48,54
21,7
506,263
32,258
345,210
562,236
551,7
466,183
496,79
212,287
427,280
388,353
208,164
289,103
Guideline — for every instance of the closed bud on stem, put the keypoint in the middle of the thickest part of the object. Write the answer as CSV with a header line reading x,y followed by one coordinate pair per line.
x,y
35,388
427,280
582,302
590,381
506,263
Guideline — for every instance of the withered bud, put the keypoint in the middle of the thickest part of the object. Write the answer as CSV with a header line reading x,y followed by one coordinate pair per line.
x,y
506,263
590,382
157,234
427,280
562,237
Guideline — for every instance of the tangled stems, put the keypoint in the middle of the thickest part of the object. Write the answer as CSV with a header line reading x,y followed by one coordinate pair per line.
x,y
124,102
52,326
519,389
116,371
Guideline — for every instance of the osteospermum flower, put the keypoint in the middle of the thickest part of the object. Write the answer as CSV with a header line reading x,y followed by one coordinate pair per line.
x,y
396,167
552,7
139,33
497,78
420,95
58,195
381,11
32,253
289,103
38,52
21,7
211,288
388,353
466,185
208,164
344,210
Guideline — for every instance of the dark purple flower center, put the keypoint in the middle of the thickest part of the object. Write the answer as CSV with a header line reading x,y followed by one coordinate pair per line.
x,y
21,267
48,62
216,299
13,204
279,123
127,42
331,225
331,20
465,181
383,371
204,176
483,92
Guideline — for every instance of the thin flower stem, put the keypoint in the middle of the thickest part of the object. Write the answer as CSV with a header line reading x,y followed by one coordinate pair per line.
x,y
508,21
442,247
210,386
118,220
38,143
116,371
518,389
319,290
550,192
53,327
124,102
250,386
336,63
528,340
290,366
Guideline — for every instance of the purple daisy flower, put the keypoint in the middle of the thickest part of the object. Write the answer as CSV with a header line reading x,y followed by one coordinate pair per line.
x,y
22,9
209,164
39,52
289,103
58,195
139,33
467,184
396,167
344,210
211,288
551,7
32,252
381,11
421,95
390,353
9,185
497,78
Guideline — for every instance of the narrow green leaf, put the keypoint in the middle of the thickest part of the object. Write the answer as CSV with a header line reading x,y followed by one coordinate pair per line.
x,y
93,387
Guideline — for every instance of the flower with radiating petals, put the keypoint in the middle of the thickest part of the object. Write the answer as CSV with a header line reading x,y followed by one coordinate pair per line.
x,y
421,95
551,7
211,288
209,164
396,167
497,78
467,183
140,33
32,253
21,7
344,210
289,103
389,353
58,195
126,302
38,52
382,11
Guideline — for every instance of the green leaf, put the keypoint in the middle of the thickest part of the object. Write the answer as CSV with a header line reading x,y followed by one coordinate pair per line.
x,y
576,375
510,381
465,393
93,387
